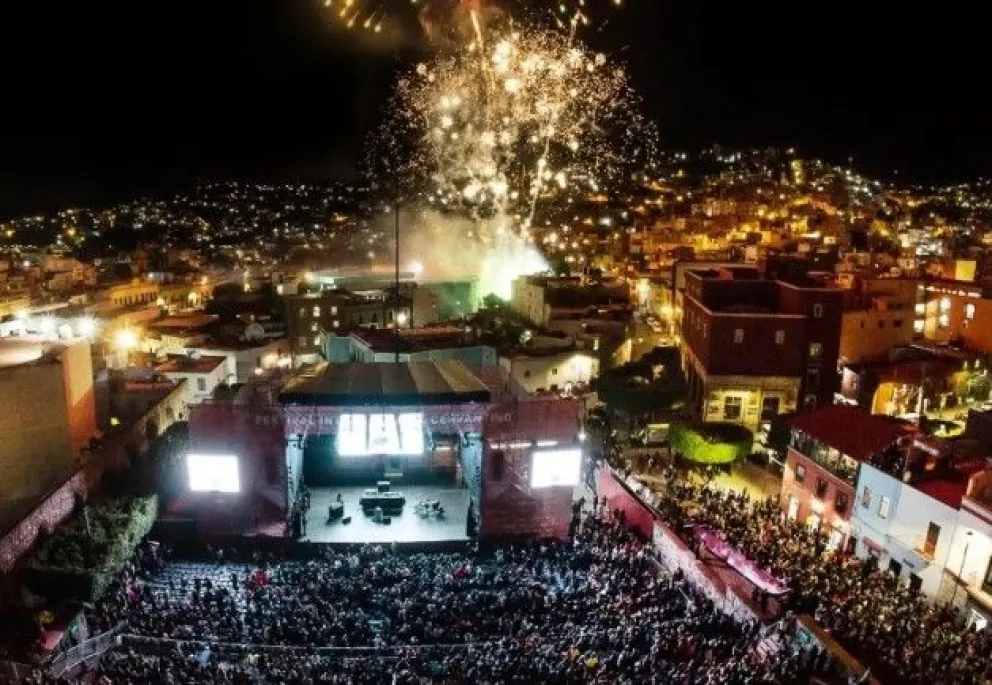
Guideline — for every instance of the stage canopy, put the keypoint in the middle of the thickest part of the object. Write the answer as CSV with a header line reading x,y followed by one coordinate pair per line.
x,y
384,384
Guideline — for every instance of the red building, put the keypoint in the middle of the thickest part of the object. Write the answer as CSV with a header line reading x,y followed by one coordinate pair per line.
x,y
755,347
821,469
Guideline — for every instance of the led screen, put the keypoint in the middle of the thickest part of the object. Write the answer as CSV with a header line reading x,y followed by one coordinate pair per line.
x,y
213,473
552,468
360,435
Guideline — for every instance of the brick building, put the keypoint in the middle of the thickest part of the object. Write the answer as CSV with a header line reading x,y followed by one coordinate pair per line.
x,y
754,347
827,447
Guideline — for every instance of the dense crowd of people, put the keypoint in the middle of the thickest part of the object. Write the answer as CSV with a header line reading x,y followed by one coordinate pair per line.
x,y
594,609
866,609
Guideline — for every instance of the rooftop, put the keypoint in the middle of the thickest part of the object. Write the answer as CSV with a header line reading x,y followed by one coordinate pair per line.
x,y
179,363
26,349
852,431
413,340
415,383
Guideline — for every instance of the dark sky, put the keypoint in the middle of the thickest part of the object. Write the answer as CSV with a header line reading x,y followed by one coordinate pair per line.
x,y
103,99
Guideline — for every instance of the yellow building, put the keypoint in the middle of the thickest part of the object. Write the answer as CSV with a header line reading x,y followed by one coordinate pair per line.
x,y
47,415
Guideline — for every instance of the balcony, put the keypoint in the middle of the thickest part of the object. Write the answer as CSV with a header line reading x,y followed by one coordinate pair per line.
x,y
837,463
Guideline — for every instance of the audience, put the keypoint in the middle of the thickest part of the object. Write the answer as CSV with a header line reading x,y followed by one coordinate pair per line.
x,y
882,622
594,609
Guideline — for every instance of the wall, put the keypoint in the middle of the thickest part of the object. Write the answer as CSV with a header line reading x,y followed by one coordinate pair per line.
x,y
510,507
36,449
805,494
213,378
636,513
869,335
559,370
45,517
908,531
865,520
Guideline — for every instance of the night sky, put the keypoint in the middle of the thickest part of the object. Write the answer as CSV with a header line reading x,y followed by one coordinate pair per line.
x,y
101,100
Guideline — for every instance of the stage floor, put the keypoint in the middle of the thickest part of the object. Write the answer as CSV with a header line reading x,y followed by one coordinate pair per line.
x,y
407,527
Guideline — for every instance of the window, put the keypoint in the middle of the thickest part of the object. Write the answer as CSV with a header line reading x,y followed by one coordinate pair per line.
x,y
812,378
881,323
554,372
809,402
316,340
738,335
945,304
336,323
313,327
818,311
779,337
316,311
883,508
303,312
815,350
921,309
821,488
865,497
527,373
770,407
918,326
201,384
732,408
987,583
800,473
302,341
943,320
897,323
930,544
840,503
334,310
969,311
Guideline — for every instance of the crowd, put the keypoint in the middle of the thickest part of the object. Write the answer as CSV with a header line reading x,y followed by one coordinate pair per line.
x,y
866,609
594,609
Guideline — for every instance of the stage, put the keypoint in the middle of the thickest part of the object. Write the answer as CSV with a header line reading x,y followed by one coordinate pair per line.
x,y
407,527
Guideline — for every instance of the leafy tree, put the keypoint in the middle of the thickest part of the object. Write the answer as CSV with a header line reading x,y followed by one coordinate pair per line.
x,y
710,443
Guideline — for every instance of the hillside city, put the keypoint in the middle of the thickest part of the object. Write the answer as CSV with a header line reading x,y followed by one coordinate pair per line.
x,y
772,373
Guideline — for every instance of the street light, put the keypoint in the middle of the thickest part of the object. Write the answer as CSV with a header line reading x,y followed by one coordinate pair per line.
x,y
401,318
964,555
86,327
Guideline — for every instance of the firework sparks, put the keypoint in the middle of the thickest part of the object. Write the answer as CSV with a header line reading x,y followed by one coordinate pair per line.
x,y
444,18
520,117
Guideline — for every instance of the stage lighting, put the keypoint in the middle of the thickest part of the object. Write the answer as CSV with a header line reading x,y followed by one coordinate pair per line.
x,y
213,473
554,468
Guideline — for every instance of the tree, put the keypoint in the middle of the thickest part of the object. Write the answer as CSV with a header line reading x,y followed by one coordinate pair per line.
x,y
493,301
710,443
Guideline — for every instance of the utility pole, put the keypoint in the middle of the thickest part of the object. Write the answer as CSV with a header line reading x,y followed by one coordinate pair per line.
x,y
396,284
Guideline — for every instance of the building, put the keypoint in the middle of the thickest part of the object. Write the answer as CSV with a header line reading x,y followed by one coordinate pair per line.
x,y
826,448
878,317
906,512
540,370
544,299
754,347
135,292
309,315
430,344
47,416
202,373
968,574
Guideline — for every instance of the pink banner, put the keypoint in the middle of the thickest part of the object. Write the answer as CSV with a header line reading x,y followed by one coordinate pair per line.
x,y
740,563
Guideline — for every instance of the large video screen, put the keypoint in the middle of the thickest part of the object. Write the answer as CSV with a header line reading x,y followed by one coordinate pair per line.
x,y
553,468
213,473
361,435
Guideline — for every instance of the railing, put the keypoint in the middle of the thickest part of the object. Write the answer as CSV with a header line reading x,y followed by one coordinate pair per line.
x,y
153,645
84,651
14,672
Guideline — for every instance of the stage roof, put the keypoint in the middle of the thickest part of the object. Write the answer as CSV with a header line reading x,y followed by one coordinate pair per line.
x,y
384,384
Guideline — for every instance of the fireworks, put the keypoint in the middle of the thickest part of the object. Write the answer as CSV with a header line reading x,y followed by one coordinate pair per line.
x,y
518,117
509,127
446,18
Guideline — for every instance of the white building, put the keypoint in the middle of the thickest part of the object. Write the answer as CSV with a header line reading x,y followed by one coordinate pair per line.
x,y
538,371
202,373
909,522
969,563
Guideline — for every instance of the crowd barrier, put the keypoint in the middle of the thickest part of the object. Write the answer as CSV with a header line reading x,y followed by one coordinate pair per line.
x,y
72,658
14,671
159,645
